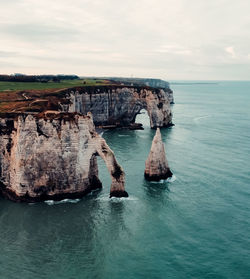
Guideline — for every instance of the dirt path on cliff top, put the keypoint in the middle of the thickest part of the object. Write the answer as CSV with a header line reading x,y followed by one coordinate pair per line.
x,y
35,100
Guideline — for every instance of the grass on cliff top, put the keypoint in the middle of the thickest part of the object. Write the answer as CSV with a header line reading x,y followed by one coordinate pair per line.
x,y
14,86
38,96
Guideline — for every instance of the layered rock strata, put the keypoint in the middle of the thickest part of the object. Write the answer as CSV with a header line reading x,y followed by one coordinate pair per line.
x,y
53,156
156,166
118,106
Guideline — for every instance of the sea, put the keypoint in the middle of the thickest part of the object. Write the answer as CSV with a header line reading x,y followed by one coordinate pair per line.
x,y
195,225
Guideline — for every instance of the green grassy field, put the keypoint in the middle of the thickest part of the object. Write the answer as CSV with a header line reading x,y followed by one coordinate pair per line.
x,y
38,96
13,86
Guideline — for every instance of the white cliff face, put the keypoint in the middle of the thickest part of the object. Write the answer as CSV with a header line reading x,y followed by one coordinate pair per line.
x,y
158,107
53,157
156,166
119,105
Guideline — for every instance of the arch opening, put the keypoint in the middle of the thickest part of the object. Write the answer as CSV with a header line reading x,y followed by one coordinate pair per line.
x,y
103,175
142,117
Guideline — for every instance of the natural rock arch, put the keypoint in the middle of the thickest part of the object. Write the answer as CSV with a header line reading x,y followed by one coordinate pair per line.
x,y
117,174
119,106
53,156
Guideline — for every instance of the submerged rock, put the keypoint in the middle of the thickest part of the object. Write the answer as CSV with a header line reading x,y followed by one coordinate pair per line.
x,y
156,166
53,156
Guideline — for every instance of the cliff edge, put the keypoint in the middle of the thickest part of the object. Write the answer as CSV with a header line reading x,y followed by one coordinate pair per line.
x,y
113,103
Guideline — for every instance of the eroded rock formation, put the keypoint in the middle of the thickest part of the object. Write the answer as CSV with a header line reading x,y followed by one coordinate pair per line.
x,y
156,167
118,106
53,156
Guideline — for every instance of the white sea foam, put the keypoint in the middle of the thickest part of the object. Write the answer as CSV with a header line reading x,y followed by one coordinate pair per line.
x,y
51,202
129,198
143,136
169,180
114,199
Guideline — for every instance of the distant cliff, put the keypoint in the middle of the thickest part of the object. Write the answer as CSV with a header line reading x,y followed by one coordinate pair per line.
x,y
53,156
150,82
119,105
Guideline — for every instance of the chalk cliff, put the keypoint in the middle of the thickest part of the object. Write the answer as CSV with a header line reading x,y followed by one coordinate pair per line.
x,y
53,156
151,82
118,106
156,167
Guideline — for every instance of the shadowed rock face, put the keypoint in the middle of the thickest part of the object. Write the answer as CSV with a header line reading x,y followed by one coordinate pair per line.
x,y
116,172
118,106
53,156
170,96
156,167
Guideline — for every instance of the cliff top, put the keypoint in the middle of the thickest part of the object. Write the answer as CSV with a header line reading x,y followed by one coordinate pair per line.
x,y
36,97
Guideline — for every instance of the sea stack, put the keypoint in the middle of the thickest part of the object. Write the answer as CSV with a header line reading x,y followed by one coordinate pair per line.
x,y
156,166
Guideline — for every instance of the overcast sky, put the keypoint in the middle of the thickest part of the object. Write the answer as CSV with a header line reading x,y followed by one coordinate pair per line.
x,y
169,39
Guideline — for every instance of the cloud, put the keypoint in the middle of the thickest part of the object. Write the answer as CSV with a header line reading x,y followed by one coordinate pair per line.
x,y
31,32
4,54
171,39
173,49
230,50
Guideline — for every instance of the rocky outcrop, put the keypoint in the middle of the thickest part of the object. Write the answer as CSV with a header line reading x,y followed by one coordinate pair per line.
x,y
156,167
171,96
53,156
151,82
118,106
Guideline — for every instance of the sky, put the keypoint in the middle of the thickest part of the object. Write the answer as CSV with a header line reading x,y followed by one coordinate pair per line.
x,y
168,39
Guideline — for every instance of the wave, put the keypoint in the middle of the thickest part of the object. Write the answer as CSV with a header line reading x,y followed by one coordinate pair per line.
x,y
51,202
169,180
197,119
114,199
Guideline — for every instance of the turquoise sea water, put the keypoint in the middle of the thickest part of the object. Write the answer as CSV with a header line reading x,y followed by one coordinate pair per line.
x,y
196,226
